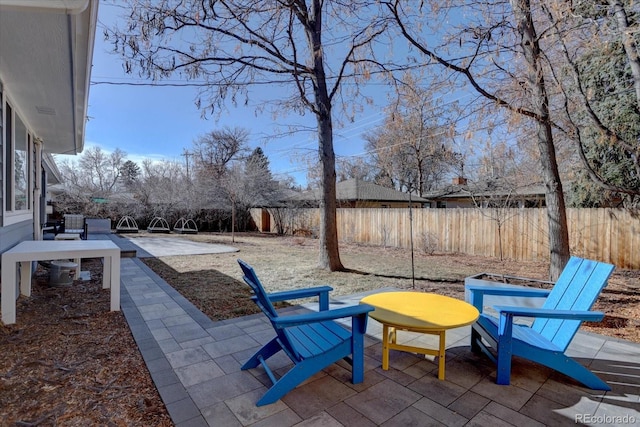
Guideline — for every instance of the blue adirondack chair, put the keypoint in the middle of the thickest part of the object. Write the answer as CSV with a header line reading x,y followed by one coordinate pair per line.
x,y
545,341
312,340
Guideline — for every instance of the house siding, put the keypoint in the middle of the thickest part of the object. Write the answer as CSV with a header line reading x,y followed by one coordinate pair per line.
x,y
13,234
1,157
10,236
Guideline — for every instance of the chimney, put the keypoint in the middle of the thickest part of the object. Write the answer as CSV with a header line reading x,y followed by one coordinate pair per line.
x,y
459,181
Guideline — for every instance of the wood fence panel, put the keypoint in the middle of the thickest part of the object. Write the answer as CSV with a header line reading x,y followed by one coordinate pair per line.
x,y
618,238
609,235
634,246
603,248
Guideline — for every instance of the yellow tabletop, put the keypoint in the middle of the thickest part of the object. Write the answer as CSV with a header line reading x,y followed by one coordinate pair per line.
x,y
420,311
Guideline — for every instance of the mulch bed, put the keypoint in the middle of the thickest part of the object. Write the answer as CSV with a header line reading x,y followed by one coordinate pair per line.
x,y
69,361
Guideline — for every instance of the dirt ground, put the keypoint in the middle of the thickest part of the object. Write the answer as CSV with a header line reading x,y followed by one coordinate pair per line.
x,y
69,361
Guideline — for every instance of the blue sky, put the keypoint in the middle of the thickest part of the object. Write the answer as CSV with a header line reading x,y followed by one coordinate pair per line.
x,y
160,122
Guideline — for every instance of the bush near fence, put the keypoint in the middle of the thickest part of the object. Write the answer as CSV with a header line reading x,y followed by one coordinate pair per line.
x,y
607,234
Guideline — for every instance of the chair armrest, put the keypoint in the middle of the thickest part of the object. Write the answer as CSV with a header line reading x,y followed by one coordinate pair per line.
x,y
298,293
321,316
520,291
477,293
592,316
507,314
322,292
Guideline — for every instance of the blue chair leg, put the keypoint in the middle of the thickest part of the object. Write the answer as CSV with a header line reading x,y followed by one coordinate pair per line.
x,y
575,370
288,382
504,350
268,350
359,326
503,368
475,340
299,373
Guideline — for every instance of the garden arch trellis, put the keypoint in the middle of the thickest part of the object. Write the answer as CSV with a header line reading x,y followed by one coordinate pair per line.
x,y
185,226
158,225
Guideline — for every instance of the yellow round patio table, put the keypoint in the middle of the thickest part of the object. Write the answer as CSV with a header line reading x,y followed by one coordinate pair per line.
x,y
418,312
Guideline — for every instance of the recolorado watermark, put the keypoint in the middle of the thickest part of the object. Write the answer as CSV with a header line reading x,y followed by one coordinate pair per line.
x,y
605,419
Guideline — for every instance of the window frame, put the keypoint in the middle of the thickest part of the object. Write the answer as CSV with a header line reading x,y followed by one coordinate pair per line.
x,y
12,215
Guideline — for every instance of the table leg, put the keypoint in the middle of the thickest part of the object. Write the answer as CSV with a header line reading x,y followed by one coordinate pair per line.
x,y
25,278
385,347
114,262
78,268
106,272
441,353
8,296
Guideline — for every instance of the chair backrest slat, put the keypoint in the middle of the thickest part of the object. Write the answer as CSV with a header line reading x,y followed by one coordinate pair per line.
x,y
73,221
263,301
577,288
251,278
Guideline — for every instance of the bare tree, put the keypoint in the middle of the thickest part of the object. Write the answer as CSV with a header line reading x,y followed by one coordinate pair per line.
x,y
507,165
235,44
498,206
95,174
412,148
96,171
161,191
214,153
515,81
214,150
354,168
247,184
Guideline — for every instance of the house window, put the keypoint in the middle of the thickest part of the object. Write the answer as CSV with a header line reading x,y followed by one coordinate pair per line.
x,y
8,129
17,160
21,167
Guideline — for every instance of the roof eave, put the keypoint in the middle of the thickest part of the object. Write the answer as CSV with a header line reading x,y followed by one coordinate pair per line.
x,y
46,74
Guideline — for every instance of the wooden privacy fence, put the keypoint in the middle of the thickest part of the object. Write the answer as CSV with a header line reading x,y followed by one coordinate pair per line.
x,y
609,235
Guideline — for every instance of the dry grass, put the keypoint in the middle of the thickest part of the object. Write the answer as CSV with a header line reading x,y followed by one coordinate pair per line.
x,y
283,264
214,282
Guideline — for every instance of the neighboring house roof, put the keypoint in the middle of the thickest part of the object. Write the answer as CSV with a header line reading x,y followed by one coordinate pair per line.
x,y
355,189
45,66
485,190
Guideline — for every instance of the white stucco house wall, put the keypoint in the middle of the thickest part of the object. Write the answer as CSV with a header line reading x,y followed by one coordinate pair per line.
x,y
46,50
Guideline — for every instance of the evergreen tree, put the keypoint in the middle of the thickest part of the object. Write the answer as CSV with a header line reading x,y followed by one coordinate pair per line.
x,y
130,173
607,78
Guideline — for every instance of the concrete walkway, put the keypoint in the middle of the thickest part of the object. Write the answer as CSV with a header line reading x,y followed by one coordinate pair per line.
x,y
195,364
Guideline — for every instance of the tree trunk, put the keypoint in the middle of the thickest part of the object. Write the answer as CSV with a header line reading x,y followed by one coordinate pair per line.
x,y
233,222
556,211
329,254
